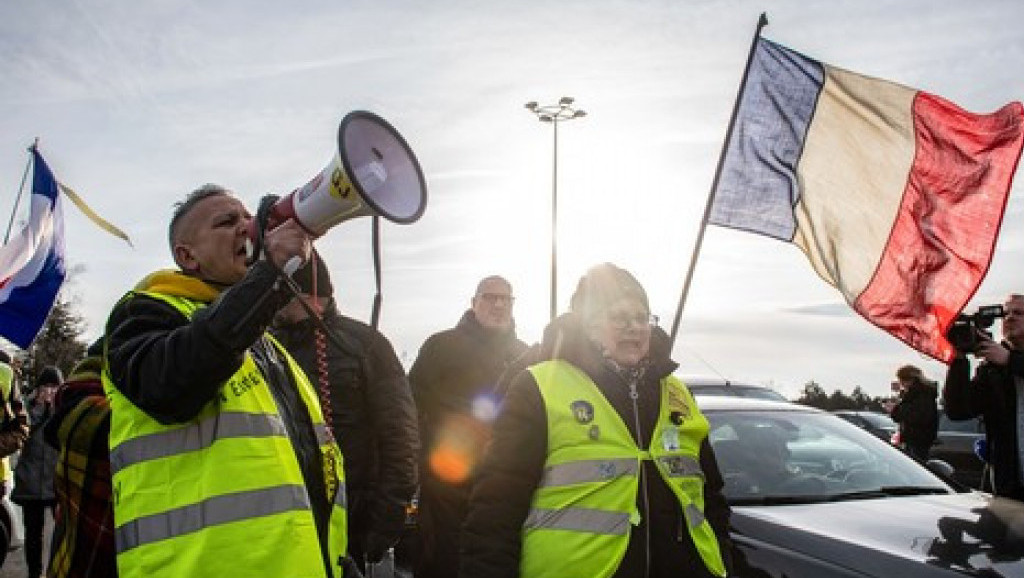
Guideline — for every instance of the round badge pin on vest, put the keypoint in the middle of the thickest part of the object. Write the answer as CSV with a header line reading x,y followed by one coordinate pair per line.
x,y
582,410
594,432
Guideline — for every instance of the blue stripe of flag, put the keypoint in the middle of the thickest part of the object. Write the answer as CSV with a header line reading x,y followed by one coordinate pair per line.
x,y
25,310
758,187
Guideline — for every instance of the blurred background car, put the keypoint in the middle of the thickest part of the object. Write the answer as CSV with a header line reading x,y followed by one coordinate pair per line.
x,y
955,445
814,496
721,386
879,424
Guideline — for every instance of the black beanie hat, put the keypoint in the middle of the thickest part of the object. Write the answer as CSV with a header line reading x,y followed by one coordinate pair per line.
x,y
601,287
304,277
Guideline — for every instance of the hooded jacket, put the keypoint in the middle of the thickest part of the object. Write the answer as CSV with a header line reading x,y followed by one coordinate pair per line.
x,y
373,418
513,467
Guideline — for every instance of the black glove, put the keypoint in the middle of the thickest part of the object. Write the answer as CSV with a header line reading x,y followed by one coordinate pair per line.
x,y
377,544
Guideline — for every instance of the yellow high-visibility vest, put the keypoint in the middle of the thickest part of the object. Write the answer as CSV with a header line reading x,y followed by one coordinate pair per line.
x,y
223,494
586,503
6,386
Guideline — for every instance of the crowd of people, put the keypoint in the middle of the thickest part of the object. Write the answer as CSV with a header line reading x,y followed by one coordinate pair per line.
x,y
232,422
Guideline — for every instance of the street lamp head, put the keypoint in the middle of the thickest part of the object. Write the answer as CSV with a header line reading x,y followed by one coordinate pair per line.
x,y
546,118
565,101
532,105
579,113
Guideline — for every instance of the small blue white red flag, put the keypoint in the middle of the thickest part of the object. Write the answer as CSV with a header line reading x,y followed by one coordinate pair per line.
x,y
32,266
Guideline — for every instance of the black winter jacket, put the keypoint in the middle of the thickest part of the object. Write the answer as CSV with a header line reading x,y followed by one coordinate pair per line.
x,y
456,365
170,367
991,394
373,417
514,465
918,416
33,475
453,368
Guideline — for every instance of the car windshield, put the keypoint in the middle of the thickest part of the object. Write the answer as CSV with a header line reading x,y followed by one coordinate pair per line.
x,y
738,391
879,420
798,456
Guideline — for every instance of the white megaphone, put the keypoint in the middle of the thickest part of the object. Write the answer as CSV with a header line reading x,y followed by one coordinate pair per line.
x,y
374,172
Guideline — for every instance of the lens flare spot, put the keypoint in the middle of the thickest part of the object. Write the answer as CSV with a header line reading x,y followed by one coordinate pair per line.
x,y
485,408
449,465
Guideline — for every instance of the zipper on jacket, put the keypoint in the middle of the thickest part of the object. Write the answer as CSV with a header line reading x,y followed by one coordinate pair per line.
x,y
634,396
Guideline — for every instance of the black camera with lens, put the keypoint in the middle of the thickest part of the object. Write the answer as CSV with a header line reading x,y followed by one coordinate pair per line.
x,y
967,331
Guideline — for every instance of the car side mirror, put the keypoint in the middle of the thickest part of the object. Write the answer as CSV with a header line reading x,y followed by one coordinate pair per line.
x,y
940,468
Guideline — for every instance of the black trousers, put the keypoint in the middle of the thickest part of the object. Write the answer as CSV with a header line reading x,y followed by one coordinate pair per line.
x,y
33,515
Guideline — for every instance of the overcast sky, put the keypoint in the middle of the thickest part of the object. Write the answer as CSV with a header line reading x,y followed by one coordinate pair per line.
x,y
137,103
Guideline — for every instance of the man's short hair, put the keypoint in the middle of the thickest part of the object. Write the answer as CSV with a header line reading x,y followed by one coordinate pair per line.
x,y
490,278
182,208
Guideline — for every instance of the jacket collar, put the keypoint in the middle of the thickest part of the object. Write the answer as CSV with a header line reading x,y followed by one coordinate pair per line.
x,y
177,284
566,338
469,323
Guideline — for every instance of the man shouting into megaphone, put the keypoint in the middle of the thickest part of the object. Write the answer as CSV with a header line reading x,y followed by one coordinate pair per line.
x,y
221,462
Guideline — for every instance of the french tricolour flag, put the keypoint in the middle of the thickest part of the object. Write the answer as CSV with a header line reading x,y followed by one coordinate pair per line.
x,y
895,195
32,263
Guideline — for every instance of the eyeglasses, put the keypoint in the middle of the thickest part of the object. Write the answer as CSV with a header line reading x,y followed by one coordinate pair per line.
x,y
621,321
496,298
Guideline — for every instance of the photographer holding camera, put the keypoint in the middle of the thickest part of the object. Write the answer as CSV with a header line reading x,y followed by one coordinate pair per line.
x,y
996,392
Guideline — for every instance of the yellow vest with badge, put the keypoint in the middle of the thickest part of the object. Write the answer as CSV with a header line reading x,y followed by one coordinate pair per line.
x,y
6,387
223,494
585,506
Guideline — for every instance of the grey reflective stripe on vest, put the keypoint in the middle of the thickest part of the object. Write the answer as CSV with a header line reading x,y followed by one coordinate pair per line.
x,y
210,512
584,471
681,466
694,517
323,437
339,497
194,437
578,520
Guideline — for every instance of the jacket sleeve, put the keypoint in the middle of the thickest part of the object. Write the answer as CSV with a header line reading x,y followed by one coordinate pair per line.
x,y
424,376
393,415
961,396
14,430
508,477
171,367
903,411
716,508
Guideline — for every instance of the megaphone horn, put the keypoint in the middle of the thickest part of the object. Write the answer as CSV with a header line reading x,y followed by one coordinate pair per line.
x,y
373,172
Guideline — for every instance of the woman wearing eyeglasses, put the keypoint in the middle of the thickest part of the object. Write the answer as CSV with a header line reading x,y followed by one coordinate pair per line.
x,y
599,465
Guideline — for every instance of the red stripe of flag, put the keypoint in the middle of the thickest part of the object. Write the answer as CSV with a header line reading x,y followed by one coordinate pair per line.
x,y
942,242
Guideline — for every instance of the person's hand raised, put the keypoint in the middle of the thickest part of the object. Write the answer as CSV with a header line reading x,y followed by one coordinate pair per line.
x,y
287,241
993,352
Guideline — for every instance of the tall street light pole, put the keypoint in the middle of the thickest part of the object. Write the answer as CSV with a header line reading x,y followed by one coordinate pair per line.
x,y
555,113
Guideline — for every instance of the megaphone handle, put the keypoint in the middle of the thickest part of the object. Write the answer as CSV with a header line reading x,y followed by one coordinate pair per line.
x,y
292,265
377,298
